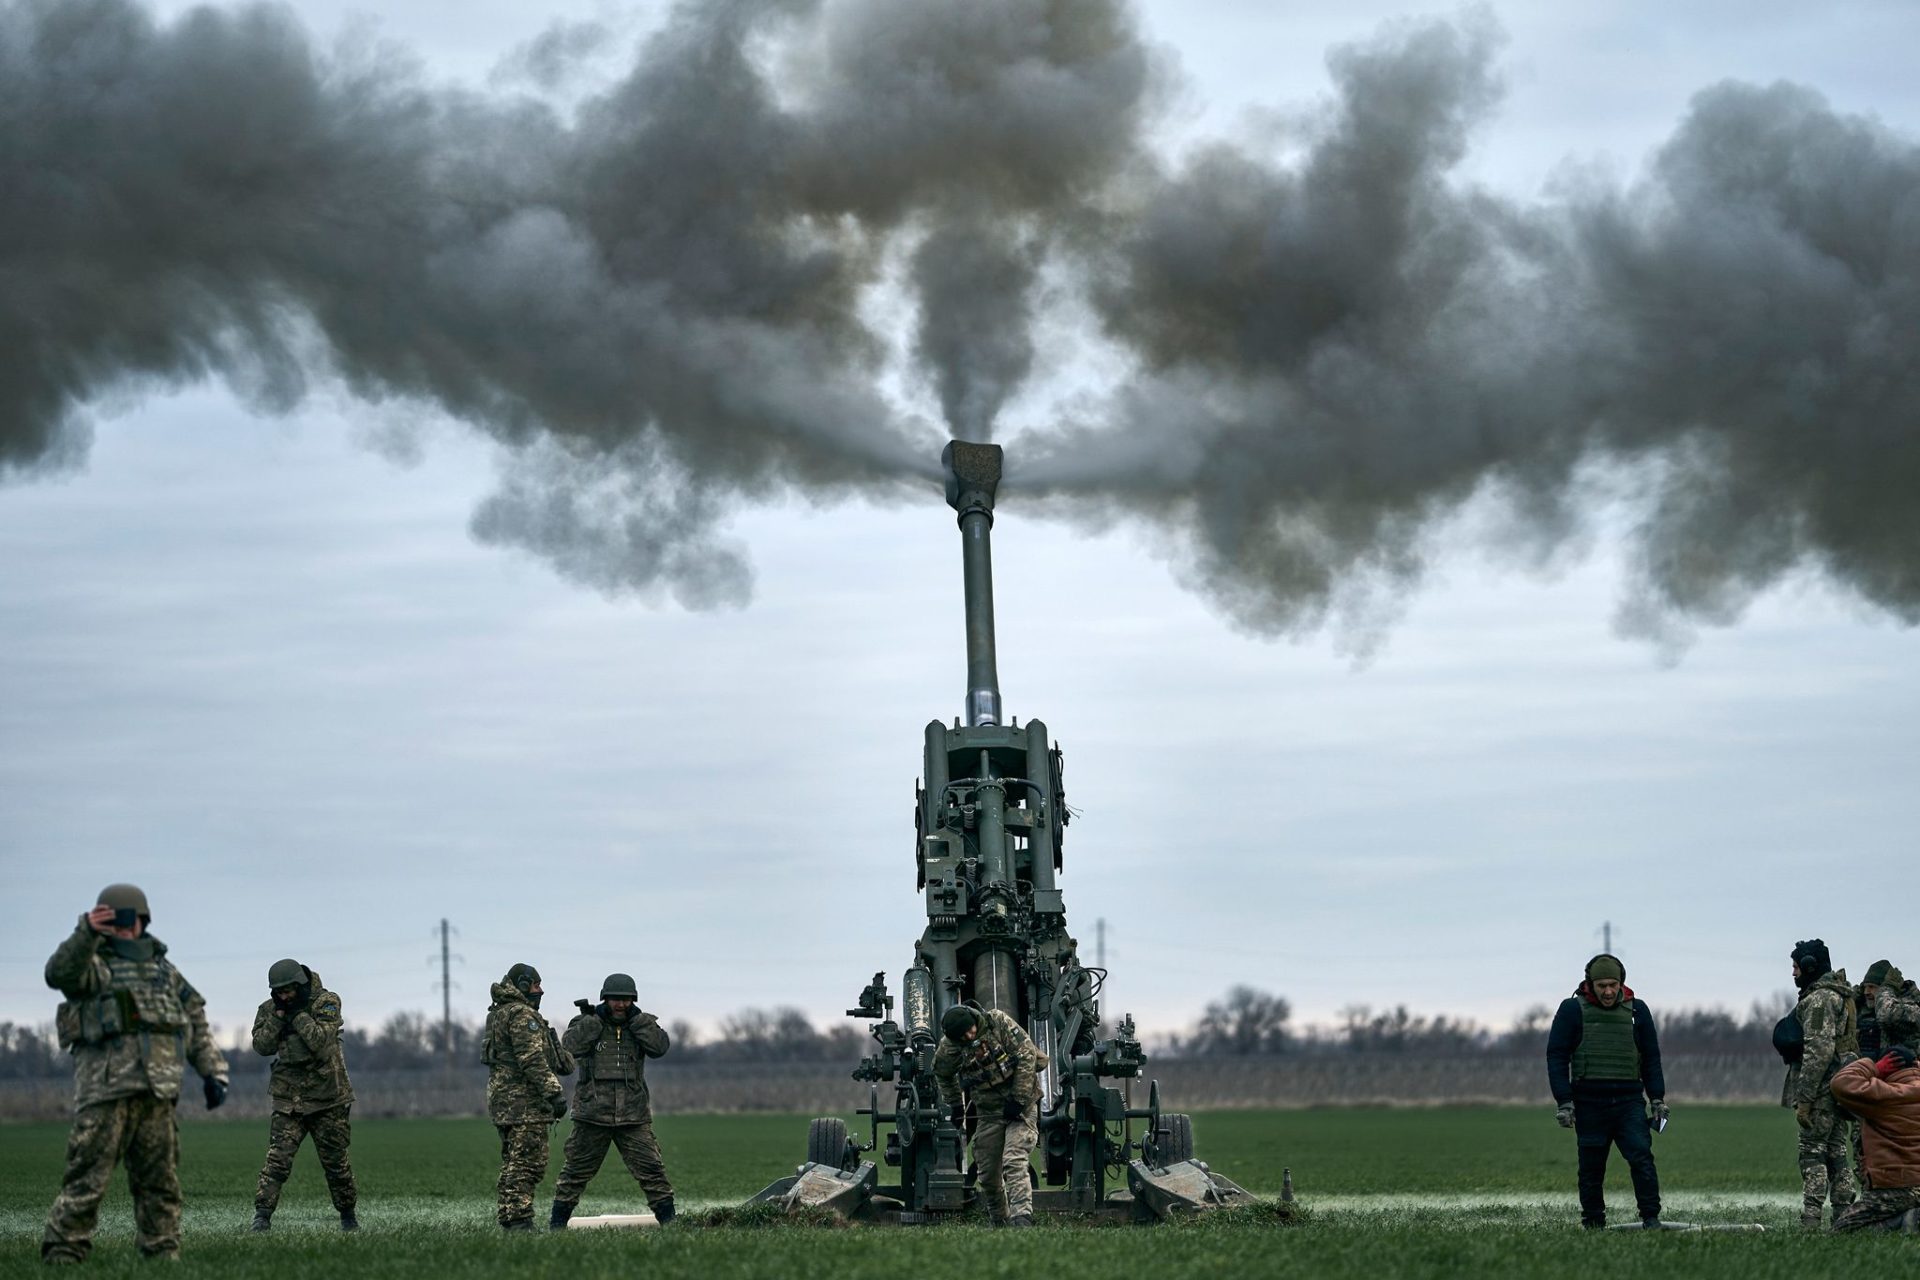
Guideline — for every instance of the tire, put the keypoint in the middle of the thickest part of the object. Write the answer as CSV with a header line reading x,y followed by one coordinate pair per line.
x,y
1177,1145
827,1142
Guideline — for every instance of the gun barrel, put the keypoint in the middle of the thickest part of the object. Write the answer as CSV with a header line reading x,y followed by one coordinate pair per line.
x,y
973,479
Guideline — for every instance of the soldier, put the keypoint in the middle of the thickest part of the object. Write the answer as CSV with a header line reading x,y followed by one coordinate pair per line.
x,y
131,1022
524,1097
612,1044
1886,1096
298,1026
1896,1004
985,1059
1603,1064
1868,1041
1827,1039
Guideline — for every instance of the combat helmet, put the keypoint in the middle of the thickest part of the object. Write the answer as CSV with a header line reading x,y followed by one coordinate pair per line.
x,y
287,973
522,978
122,896
619,986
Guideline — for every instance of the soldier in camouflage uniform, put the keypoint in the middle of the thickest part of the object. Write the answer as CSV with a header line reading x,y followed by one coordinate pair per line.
x,y
1896,1006
132,1023
1886,1096
298,1026
525,1062
1828,1040
611,1105
986,1059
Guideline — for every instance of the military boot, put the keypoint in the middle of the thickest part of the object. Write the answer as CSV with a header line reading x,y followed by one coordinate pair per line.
x,y
348,1222
1020,1220
662,1210
557,1220
262,1221
518,1224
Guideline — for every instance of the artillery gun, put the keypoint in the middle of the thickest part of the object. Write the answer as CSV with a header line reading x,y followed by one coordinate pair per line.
x,y
989,825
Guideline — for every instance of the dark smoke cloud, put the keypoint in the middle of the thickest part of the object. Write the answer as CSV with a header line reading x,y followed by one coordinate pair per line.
x,y
654,302
976,322
658,300
1339,353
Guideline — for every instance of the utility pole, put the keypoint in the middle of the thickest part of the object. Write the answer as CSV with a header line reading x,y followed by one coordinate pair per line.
x,y
1100,943
446,993
1606,936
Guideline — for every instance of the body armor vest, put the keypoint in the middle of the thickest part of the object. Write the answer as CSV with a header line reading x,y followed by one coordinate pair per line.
x,y
1607,1049
615,1058
141,996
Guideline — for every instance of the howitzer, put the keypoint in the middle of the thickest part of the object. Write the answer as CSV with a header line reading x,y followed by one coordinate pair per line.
x,y
990,822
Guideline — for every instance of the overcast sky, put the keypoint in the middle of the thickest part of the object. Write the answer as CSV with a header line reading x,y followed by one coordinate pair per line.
x,y
258,664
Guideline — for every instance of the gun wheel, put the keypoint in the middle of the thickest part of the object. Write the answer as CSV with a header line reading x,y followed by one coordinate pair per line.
x,y
1177,1144
827,1142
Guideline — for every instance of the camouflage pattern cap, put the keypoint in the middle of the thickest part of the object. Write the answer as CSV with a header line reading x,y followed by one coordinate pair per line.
x,y
1877,972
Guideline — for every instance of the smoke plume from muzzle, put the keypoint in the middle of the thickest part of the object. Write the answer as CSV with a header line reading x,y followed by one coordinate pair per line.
x,y
657,300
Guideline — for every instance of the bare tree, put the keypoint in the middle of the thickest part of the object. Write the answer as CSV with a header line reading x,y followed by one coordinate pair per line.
x,y
1244,1021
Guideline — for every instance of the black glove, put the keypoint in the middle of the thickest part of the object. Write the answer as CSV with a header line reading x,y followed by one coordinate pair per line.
x,y
1011,1110
559,1102
959,1117
216,1091
1901,1054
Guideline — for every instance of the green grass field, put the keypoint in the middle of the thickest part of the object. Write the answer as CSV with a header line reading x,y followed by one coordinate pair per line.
x,y
1417,1192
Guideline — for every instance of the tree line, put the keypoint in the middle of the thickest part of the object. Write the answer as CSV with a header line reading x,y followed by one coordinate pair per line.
x,y
1247,1021
1244,1022
415,1041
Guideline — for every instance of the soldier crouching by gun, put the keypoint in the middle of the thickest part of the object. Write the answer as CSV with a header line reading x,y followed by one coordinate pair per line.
x,y
611,1105
1885,1095
298,1026
986,1059
524,1099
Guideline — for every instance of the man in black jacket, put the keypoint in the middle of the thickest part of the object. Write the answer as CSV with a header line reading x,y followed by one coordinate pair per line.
x,y
1603,1064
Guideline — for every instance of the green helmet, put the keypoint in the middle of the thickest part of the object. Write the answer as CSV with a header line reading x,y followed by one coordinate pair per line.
x,y
122,896
523,977
957,1021
619,986
287,973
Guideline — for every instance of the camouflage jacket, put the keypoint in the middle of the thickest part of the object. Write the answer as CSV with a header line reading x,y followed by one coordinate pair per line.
x,y
1000,1062
309,1069
1826,1013
1898,1008
524,1060
613,1065
130,1020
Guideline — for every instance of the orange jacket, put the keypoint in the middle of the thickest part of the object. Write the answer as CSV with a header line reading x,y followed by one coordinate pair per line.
x,y
1889,1112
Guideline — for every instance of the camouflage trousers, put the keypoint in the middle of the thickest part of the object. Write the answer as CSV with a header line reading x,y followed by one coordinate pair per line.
x,y
1882,1208
1826,1172
331,1132
523,1163
587,1148
1001,1153
140,1132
